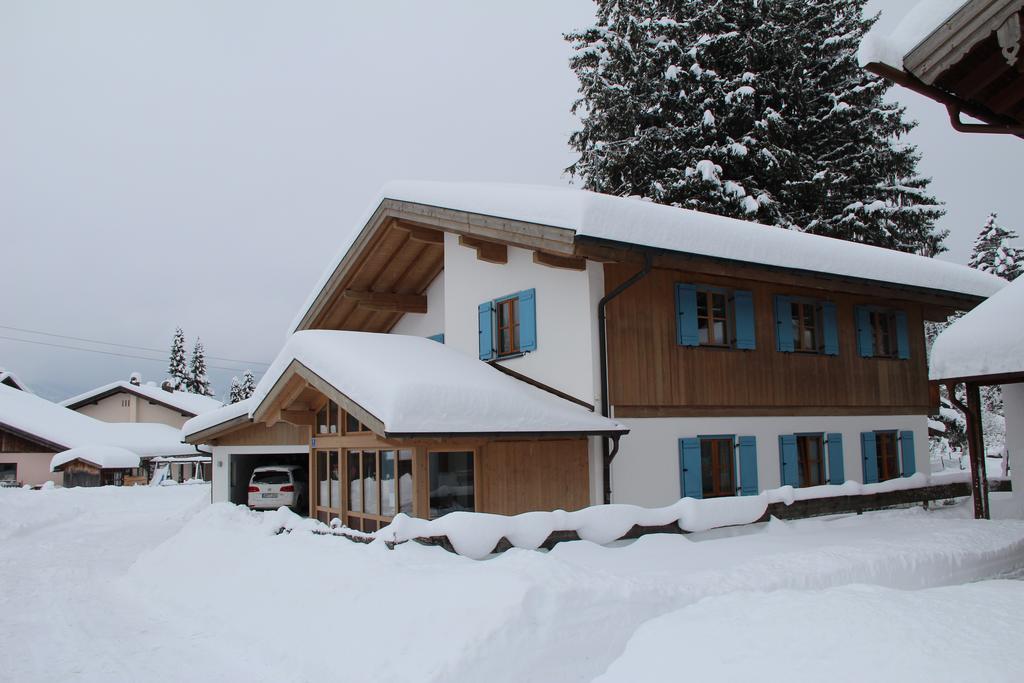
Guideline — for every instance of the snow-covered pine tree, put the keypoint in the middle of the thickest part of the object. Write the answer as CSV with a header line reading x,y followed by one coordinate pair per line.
x,y
248,384
235,394
992,254
755,109
177,369
198,382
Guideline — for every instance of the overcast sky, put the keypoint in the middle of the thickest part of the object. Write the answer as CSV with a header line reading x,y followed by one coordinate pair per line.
x,y
197,163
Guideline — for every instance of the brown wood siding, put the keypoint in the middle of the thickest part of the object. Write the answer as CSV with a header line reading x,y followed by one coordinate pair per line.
x,y
13,443
650,374
521,476
258,434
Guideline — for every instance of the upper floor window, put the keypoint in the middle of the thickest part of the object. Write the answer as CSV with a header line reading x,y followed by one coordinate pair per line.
x,y
508,325
806,326
714,316
882,332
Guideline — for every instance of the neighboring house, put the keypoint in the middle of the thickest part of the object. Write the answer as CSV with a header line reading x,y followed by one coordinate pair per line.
x,y
985,348
9,379
964,55
33,429
133,401
98,466
740,357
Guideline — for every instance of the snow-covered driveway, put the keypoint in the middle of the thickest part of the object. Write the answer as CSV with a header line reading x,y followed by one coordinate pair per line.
x,y
157,585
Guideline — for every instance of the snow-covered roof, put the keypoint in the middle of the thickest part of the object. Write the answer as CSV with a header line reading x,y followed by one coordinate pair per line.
x,y
413,385
104,457
55,424
988,340
232,411
639,222
921,21
10,379
182,401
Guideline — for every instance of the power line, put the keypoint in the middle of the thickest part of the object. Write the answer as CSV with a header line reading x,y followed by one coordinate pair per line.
x,y
123,346
106,353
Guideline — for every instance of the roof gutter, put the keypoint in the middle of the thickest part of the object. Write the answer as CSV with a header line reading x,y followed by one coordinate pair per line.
x,y
608,451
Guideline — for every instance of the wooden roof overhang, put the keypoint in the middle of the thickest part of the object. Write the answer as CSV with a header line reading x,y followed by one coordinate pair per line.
x,y
45,443
984,380
300,392
398,253
218,430
96,398
939,304
973,64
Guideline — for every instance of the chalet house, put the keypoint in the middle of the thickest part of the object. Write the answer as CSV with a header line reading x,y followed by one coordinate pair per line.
x,y
33,430
133,401
966,55
508,348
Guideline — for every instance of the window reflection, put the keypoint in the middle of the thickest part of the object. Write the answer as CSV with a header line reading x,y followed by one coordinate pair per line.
x,y
451,482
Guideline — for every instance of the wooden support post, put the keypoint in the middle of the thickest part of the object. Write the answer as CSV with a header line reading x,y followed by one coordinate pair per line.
x,y
976,443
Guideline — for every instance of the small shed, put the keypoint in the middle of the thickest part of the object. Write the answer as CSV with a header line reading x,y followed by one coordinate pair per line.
x,y
985,348
98,466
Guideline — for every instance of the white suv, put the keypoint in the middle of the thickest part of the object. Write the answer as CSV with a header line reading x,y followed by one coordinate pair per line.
x,y
276,486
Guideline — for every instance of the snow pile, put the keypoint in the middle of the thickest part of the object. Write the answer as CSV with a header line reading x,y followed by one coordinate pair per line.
x,y
634,221
920,22
853,627
988,340
417,386
104,457
193,404
66,428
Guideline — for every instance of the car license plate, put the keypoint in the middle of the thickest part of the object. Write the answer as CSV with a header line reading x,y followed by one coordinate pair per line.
x,y
270,495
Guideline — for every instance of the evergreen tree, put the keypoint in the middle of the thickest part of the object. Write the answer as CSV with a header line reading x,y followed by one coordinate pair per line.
x,y
235,394
248,384
177,370
198,382
993,255
755,109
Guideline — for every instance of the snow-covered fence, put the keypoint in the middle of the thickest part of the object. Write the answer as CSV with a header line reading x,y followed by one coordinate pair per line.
x,y
477,534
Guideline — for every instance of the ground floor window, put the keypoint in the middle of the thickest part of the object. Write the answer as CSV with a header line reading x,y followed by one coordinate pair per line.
x,y
887,453
717,466
811,459
452,485
377,484
8,473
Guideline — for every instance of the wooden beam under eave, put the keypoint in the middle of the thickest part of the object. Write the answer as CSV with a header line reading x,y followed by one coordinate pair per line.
x,y
552,261
304,418
384,301
418,233
491,252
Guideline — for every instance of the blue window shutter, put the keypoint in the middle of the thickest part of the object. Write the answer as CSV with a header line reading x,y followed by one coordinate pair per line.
x,y
691,483
869,457
783,324
829,328
743,308
907,451
790,473
902,340
486,330
686,315
437,337
528,320
865,337
748,466
836,474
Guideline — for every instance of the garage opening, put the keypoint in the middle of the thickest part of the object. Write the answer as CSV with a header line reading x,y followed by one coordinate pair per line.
x,y
242,465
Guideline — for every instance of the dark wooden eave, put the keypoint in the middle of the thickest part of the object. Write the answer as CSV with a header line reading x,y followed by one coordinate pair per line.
x,y
985,380
45,443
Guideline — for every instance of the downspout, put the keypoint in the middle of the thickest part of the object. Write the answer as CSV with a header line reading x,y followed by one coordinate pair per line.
x,y
609,451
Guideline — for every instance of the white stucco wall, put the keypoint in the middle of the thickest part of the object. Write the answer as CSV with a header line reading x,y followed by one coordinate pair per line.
x,y
430,323
565,316
646,469
1013,409
112,409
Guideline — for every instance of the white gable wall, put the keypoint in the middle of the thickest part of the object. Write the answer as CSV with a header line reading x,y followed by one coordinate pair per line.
x,y
430,323
113,409
566,314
